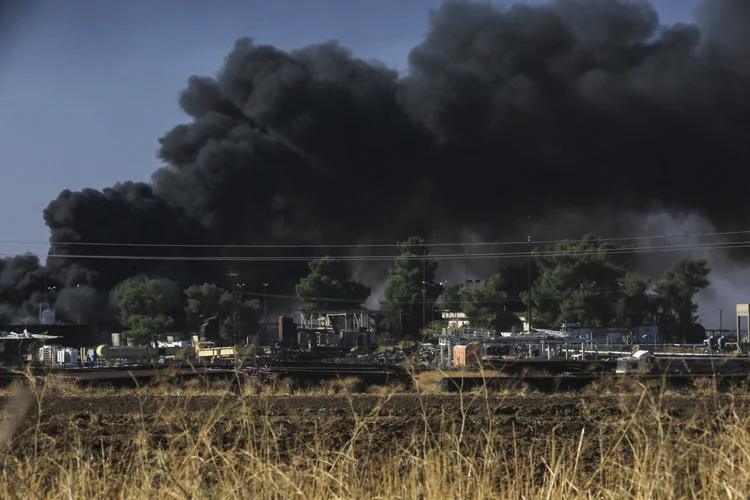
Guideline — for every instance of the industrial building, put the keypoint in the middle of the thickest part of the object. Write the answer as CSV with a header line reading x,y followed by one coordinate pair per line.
x,y
333,333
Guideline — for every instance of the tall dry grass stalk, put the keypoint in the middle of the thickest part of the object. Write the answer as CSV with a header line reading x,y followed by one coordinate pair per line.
x,y
248,444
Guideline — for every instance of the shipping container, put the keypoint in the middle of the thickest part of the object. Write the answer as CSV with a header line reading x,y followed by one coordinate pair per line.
x,y
467,355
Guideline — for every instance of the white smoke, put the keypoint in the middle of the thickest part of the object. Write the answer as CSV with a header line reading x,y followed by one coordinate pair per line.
x,y
728,278
451,270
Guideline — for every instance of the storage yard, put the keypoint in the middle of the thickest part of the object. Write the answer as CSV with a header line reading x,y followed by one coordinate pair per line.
x,y
545,359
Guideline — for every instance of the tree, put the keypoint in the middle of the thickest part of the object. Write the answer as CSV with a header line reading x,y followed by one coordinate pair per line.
x,y
635,305
248,318
405,294
516,284
328,287
207,300
677,313
204,301
451,299
582,281
486,305
146,308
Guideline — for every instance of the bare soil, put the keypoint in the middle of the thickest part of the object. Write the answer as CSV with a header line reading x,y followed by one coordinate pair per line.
x,y
300,421
538,412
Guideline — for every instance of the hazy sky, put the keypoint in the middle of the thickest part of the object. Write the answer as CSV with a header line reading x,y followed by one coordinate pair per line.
x,y
88,86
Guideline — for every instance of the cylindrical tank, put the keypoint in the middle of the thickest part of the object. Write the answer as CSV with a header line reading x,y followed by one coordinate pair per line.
x,y
110,352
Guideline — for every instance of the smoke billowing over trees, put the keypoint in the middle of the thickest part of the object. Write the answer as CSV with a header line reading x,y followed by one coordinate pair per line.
x,y
569,106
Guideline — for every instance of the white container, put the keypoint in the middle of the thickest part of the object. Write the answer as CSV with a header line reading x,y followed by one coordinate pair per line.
x,y
637,363
72,356
67,356
47,354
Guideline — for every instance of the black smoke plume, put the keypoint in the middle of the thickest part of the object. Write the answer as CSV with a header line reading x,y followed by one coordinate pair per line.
x,y
575,106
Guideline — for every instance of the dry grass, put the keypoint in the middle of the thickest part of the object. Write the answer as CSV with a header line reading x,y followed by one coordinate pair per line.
x,y
244,449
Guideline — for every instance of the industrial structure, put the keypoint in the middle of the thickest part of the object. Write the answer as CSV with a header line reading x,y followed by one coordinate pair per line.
x,y
335,343
312,336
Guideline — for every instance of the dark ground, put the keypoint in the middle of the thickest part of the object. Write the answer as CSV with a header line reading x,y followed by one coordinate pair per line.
x,y
97,424
391,422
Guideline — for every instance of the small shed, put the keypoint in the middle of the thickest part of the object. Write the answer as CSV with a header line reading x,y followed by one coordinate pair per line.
x,y
464,355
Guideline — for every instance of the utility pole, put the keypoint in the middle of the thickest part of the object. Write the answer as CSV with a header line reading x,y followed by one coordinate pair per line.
x,y
432,303
265,306
721,320
432,297
528,273
466,269
424,301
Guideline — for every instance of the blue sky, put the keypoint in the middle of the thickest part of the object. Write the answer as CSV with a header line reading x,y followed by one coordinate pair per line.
x,y
88,86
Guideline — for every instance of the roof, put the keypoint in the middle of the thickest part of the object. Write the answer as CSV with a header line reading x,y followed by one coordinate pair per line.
x,y
6,335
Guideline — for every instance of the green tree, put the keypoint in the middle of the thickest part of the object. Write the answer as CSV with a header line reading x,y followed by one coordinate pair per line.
x,y
516,284
451,298
582,281
405,294
329,287
249,314
485,305
674,294
636,306
146,308
207,300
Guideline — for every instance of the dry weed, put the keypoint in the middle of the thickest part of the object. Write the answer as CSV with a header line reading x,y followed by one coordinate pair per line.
x,y
243,449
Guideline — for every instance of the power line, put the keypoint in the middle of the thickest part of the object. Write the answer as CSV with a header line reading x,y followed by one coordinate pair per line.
x,y
367,245
419,302
373,258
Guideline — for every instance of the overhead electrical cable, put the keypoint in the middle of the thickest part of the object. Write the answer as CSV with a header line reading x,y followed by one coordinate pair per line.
x,y
488,301
371,258
369,245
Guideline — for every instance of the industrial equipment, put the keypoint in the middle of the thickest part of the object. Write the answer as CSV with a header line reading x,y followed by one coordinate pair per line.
x,y
639,362
143,354
204,352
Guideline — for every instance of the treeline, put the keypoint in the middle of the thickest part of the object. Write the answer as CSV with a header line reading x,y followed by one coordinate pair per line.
x,y
587,281
151,307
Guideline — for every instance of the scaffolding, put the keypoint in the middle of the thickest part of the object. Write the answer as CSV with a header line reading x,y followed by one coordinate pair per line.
x,y
346,321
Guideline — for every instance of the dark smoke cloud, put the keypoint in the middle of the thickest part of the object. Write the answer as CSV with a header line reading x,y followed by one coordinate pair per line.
x,y
574,107
13,14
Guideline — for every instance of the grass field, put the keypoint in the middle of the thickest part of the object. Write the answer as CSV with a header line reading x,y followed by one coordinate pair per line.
x,y
343,440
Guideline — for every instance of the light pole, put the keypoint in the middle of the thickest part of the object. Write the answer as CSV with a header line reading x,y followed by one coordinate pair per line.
x,y
528,273
424,301
46,297
237,315
265,306
235,287
207,320
721,319
78,304
46,304
432,297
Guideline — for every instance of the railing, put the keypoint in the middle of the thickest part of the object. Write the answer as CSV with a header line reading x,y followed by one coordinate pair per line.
x,y
669,349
